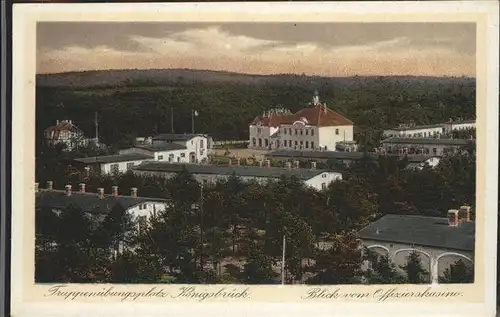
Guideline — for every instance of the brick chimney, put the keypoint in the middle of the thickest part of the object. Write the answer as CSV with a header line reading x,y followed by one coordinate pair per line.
x,y
100,193
133,192
36,187
464,214
453,217
50,185
68,190
313,165
296,164
82,187
288,165
114,190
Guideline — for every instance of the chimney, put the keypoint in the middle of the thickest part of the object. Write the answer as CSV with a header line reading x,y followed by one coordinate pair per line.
x,y
114,190
50,185
36,187
68,190
82,187
297,164
288,165
313,165
464,214
453,217
100,193
133,192
268,163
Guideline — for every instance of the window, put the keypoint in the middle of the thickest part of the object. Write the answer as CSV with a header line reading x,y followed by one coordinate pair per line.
x,y
336,131
192,142
307,131
266,142
178,158
296,132
323,175
290,131
284,131
323,186
312,131
259,130
130,165
301,144
260,142
307,144
183,154
254,142
170,157
160,157
312,144
434,151
201,144
296,143
301,131
115,168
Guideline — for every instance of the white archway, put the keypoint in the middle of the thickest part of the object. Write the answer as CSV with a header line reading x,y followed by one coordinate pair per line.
x,y
454,254
379,246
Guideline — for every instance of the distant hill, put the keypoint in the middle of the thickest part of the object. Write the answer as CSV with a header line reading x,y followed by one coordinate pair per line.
x,y
116,78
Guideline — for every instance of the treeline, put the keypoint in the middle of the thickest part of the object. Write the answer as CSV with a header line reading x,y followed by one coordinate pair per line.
x,y
231,232
225,108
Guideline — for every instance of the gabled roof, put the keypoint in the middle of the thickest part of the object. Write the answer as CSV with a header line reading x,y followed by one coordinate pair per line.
x,y
422,231
418,127
272,120
244,171
61,126
114,158
88,202
320,116
160,147
172,137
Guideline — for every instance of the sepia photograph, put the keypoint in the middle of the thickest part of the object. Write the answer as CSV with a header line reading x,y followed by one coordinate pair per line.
x,y
239,158
244,153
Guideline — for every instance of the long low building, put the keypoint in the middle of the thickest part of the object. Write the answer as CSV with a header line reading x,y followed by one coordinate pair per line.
x,y
428,146
99,204
414,161
110,164
440,242
316,178
429,130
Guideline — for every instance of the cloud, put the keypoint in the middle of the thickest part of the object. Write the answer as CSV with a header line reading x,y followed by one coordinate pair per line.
x,y
217,48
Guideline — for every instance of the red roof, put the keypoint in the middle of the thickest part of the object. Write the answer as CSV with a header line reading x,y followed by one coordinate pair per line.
x,y
271,121
62,126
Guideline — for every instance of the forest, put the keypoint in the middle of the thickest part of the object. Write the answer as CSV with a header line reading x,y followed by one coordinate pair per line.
x,y
236,222
226,108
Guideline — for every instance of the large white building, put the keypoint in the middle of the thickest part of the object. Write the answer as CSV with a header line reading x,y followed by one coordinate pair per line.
x,y
426,146
172,148
439,242
65,132
315,178
316,127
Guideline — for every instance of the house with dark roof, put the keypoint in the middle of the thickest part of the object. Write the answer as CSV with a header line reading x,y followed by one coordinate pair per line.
x,y
172,148
312,128
439,241
97,205
315,178
428,146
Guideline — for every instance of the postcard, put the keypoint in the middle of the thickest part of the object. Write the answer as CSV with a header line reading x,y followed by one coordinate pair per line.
x,y
255,158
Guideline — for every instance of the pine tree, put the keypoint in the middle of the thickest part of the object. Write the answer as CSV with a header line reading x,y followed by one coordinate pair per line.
x,y
457,273
415,273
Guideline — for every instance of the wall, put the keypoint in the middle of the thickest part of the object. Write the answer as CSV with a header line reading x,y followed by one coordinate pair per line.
x,y
434,260
415,133
323,178
302,137
146,209
328,136
263,133
426,148
197,146
122,166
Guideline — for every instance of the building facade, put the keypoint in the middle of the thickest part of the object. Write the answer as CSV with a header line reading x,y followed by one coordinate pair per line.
x,y
429,131
316,127
314,178
439,242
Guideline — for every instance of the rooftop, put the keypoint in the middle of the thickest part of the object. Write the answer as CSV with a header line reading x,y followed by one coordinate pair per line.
x,y
89,202
423,231
318,115
172,137
243,171
339,155
418,127
441,141
161,147
65,125
114,158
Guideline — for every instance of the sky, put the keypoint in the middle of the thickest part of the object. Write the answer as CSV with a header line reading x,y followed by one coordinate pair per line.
x,y
323,49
